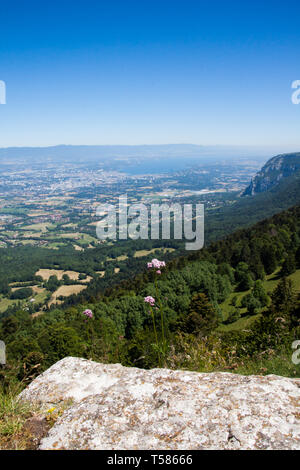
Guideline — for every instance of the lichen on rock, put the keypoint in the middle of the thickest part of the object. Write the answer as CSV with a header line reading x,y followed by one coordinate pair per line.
x,y
115,407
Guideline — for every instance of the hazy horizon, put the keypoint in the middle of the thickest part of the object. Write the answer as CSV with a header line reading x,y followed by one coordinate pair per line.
x,y
269,147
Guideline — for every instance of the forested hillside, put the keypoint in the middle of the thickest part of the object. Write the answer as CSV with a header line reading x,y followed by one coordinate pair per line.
x,y
232,306
248,210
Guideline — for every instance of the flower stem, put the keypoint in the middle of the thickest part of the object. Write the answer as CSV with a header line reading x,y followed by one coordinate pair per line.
x,y
155,332
162,318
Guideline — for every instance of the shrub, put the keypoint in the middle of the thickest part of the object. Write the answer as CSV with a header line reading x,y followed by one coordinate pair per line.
x,y
22,293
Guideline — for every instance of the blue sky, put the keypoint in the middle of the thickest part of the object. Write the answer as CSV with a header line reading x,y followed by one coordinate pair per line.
x,y
149,72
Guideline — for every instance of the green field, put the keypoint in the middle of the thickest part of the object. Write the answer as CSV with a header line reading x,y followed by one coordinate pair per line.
x,y
39,297
55,245
118,258
269,284
78,237
5,303
41,227
142,253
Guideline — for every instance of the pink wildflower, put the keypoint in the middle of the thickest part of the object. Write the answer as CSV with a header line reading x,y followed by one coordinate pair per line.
x,y
158,264
158,272
150,300
88,313
149,265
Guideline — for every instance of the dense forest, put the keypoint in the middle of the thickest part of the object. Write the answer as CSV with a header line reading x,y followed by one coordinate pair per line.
x,y
173,313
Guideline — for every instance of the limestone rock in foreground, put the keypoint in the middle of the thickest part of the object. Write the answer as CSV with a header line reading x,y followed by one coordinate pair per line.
x,y
116,407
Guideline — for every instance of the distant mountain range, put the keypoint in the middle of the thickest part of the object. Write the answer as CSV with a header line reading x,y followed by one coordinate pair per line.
x,y
94,153
276,169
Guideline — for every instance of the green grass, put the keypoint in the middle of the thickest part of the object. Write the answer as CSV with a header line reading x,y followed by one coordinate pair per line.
x,y
8,233
5,303
241,324
13,211
28,242
20,422
77,237
13,415
40,227
142,253
269,284
55,245
280,364
85,238
41,296
118,258
295,277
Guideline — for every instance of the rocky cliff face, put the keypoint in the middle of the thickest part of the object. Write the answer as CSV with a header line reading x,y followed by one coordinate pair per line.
x,y
115,407
272,172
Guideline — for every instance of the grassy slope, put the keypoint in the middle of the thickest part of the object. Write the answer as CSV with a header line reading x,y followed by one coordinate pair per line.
x,y
270,283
